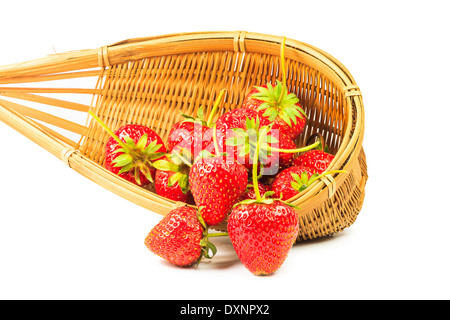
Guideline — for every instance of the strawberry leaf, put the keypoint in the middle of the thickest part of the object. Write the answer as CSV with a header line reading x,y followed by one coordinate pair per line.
x,y
174,179
165,165
122,160
142,142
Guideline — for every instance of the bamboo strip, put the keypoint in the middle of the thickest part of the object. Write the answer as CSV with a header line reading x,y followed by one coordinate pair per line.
x,y
45,117
49,101
52,77
50,90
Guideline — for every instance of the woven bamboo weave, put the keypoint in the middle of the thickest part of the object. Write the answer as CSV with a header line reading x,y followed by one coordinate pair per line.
x,y
148,81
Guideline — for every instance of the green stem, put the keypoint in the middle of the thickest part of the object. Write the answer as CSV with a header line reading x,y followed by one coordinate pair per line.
x,y
216,145
283,70
182,158
255,171
112,134
311,146
217,234
215,107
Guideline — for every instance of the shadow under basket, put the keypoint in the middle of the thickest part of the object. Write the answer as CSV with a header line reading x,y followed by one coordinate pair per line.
x,y
148,81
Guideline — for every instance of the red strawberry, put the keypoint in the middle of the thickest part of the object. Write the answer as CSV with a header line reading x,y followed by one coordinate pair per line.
x,y
133,158
193,134
131,151
294,180
316,160
279,106
275,159
236,136
216,184
286,184
167,184
180,238
262,234
235,119
189,135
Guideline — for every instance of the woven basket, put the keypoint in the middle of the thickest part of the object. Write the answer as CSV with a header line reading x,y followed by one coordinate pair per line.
x,y
150,80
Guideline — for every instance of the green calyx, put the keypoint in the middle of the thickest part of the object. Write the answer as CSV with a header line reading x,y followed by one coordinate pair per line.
x,y
254,138
135,157
278,103
179,164
302,181
209,250
265,199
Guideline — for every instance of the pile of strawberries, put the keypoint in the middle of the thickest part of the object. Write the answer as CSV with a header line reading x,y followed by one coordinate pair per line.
x,y
240,168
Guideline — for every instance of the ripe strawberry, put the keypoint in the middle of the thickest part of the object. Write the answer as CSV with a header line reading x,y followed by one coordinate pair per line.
x,y
237,118
225,129
262,234
294,180
289,181
193,134
277,160
131,151
316,160
180,238
172,178
216,184
286,112
236,136
133,160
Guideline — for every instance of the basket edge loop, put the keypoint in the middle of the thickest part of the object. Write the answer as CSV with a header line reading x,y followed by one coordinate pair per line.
x,y
349,93
103,60
239,41
66,153
331,184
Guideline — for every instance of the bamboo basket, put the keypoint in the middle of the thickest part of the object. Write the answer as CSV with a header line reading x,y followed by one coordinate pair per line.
x,y
149,81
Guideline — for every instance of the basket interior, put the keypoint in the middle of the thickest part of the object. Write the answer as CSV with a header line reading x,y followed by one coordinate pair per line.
x,y
155,90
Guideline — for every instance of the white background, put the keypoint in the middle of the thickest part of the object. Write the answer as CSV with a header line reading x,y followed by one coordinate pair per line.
x,y
64,237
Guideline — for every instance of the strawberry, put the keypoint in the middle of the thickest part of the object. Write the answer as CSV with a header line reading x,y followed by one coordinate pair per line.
x,y
316,160
189,135
173,184
262,234
181,237
216,184
193,134
277,159
277,104
284,186
172,178
131,150
133,160
294,180
226,126
277,150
